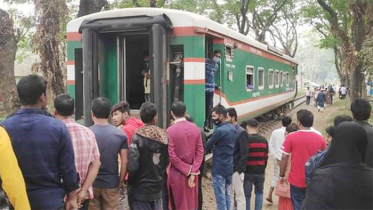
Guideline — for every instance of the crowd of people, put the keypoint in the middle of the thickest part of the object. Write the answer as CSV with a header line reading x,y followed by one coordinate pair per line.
x,y
55,163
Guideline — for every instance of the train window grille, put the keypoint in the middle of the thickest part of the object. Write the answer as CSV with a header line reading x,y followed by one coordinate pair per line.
x,y
229,55
249,78
271,77
277,78
287,79
260,78
280,81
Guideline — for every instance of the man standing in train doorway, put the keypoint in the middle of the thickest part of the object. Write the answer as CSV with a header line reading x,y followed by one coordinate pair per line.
x,y
211,67
146,73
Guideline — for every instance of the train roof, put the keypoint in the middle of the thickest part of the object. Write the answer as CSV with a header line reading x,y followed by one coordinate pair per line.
x,y
179,19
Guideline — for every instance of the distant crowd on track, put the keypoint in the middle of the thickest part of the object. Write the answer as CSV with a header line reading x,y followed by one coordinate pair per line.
x,y
52,162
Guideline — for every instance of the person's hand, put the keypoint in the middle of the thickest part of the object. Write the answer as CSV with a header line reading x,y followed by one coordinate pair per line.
x,y
120,126
191,181
71,201
242,176
278,161
283,179
81,197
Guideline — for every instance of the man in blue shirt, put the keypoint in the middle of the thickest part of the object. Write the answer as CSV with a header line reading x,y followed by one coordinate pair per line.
x,y
211,67
43,148
222,161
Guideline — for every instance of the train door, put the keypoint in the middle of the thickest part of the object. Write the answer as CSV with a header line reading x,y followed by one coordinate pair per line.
x,y
114,52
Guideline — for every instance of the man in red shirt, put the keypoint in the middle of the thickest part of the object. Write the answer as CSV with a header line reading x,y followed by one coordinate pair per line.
x,y
122,119
301,145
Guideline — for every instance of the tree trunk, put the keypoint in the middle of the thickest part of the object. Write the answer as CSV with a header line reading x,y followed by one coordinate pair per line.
x,y
356,80
87,7
8,49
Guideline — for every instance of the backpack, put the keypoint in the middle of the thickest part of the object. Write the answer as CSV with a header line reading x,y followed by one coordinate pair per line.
x,y
312,164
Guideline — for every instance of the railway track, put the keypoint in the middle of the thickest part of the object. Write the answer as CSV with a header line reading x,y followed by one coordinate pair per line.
x,y
267,126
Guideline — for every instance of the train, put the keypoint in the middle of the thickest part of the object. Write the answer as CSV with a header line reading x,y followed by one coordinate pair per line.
x,y
105,52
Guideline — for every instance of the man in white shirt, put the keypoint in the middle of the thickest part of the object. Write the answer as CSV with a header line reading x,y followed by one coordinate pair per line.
x,y
275,143
343,92
308,96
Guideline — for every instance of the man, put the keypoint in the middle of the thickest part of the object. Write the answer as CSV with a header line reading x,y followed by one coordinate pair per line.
x,y
275,143
255,165
361,110
343,92
321,98
241,149
148,159
111,142
146,74
211,67
331,93
122,119
302,145
222,160
11,176
87,156
186,154
308,96
43,148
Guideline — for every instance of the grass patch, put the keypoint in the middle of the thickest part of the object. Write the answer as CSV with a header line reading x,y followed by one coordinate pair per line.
x,y
301,92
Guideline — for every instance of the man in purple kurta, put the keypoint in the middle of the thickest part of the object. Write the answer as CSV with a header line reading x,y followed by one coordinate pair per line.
x,y
186,154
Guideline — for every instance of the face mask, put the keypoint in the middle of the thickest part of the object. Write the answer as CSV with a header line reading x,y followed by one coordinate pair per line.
x,y
216,59
216,122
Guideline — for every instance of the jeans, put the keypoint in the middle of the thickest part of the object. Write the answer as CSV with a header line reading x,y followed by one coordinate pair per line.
x,y
209,103
148,205
222,191
308,99
258,181
297,195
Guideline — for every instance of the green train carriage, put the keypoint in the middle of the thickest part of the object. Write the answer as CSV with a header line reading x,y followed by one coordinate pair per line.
x,y
105,52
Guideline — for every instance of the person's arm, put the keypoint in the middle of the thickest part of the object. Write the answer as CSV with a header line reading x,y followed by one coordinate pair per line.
x,y
286,150
176,162
200,154
244,151
283,164
266,157
11,175
213,140
123,168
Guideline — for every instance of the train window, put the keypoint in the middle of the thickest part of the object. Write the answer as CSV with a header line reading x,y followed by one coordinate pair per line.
x,y
280,81
287,79
230,76
276,78
270,78
260,78
229,52
249,78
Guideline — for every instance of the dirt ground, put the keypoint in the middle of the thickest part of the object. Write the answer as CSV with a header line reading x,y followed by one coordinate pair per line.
x,y
320,123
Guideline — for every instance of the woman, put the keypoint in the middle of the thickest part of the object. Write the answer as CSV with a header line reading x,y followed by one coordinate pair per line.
x,y
343,181
285,203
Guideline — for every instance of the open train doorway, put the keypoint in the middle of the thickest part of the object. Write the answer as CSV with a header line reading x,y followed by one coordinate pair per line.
x,y
134,75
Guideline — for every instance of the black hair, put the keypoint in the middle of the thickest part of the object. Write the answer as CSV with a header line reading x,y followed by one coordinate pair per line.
x,y
361,109
286,121
147,112
220,109
101,107
342,118
330,130
189,118
64,105
122,106
243,124
232,113
30,88
305,118
178,108
217,51
253,123
292,128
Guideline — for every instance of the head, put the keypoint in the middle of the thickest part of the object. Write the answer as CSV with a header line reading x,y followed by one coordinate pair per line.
x,y
243,124
291,128
64,105
232,115
148,113
219,114
305,118
178,109
100,108
252,126
217,56
286,121
361,109
329,135
342,118
32,91
120,113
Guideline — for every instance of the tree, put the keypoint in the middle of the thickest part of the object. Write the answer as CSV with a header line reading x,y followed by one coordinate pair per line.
x,y
8,49
50,17
87,7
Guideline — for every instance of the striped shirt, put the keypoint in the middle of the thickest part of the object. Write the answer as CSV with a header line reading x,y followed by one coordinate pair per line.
x,y
258,155
85,149
211,68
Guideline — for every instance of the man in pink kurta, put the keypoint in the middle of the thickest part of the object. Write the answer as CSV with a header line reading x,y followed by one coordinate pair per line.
x,y
186,154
